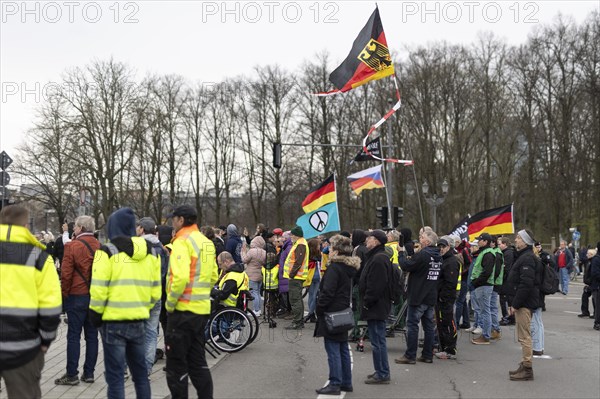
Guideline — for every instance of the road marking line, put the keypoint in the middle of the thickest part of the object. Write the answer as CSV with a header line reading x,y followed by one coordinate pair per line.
x,y
568,311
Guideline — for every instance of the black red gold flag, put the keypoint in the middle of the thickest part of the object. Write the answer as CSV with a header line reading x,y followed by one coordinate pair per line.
x,y
493,221
320,195
368,60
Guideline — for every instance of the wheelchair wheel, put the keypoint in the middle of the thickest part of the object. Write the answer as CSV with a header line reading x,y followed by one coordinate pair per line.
x,y
253,319
229,330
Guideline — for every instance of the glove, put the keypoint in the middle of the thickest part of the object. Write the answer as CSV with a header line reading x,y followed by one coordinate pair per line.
x,y
95,318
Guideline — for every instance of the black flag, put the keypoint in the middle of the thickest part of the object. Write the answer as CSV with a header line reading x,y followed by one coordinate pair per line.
x,y
374,147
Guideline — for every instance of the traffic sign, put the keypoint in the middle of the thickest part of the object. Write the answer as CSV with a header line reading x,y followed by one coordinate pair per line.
x,y
4,178
5,160
576,235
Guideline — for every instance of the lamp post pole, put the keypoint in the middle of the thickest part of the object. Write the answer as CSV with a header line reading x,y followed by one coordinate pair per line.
x,y
435,200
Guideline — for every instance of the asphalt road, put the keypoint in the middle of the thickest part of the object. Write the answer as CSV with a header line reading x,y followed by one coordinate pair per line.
x,y
285,364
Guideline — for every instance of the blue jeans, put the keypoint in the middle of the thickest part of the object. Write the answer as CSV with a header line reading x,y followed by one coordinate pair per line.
x,y
424,314
483,297
125,342
255,291
151,326
76,307
494,301
338,358
379,345
462,309
313,290
564,278
537,330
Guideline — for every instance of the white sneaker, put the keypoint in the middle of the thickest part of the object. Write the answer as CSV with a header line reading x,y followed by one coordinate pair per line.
x,y
471,329
257,313
477,331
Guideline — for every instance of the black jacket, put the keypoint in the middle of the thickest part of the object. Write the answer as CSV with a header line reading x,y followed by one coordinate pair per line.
x,y
525,279
334,292
424,268
373,287
449,278
595,267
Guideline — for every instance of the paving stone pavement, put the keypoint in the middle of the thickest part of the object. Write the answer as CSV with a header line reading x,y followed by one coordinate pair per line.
x,y
55,367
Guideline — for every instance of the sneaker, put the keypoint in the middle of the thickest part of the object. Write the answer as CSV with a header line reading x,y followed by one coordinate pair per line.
x,y
377,381
464,326
597,327
471,329
424,360
66,380
583,315
445,356
87,378
507,322
257,313
538,353
480,341
477,331
496,335
405,360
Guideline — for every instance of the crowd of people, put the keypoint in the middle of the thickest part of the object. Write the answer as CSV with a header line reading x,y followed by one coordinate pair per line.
x,y
147,277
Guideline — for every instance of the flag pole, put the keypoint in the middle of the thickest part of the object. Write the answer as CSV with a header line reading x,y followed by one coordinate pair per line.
x,y
387,186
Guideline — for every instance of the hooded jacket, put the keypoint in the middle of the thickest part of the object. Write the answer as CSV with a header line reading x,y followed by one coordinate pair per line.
x,y
234,243
373,285
126,280
334,292
448,278
30,300
255,258
424,268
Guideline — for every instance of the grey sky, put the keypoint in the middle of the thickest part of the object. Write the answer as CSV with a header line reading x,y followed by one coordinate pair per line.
x,y
208,41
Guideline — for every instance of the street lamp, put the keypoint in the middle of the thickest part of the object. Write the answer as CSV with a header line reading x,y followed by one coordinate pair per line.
x,y
434,201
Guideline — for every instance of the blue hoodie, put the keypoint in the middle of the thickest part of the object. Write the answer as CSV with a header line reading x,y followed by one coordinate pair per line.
x,y
121,223
234,243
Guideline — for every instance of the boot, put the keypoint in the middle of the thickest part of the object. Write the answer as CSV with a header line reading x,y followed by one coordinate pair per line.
x,y
513,372
524,375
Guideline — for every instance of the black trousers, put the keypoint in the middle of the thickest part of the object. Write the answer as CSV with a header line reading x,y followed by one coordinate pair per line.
x,y
585,300
184,340
446,327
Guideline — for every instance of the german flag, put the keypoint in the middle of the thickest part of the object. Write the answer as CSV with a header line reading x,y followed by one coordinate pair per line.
x,y
493,221
320,195
368,60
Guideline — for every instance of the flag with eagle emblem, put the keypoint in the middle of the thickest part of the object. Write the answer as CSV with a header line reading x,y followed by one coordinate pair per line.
x,y
368,60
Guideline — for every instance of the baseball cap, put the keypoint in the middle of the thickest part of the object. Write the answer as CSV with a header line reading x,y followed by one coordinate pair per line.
x,y
379,234
148,224
183,211
442,242
486,236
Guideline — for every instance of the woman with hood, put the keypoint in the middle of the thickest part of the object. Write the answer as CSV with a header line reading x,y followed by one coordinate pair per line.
x,y
254,259
234,243
334,295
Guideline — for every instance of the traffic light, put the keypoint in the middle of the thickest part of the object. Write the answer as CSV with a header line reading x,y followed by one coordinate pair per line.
x,y
277,155
382,215
397,214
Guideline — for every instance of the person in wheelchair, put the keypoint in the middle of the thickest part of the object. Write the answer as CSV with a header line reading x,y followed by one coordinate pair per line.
x,y
234,281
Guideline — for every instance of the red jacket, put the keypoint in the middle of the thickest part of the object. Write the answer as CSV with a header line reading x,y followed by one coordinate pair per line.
x,y
78,256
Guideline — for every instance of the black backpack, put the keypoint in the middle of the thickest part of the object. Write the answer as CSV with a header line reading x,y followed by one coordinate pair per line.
x,y
550,280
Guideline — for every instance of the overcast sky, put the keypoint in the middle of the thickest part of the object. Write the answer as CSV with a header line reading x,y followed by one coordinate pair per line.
x,y
207,41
